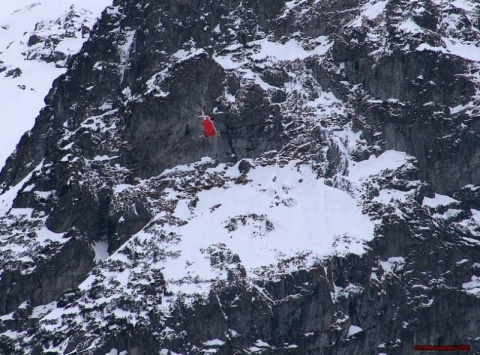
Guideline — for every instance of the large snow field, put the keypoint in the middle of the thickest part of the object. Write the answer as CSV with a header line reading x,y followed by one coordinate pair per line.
x,y
304,214
283,218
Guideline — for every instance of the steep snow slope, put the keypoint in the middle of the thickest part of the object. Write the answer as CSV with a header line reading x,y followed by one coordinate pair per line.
x,y
36,39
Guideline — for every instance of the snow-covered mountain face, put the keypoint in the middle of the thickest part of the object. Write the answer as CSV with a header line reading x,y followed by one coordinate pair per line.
x,y
37,38
337,212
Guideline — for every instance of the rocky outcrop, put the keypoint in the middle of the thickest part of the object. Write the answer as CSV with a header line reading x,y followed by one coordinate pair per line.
x,y
43,42
59,271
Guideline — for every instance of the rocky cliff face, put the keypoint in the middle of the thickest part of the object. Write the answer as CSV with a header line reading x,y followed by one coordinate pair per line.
x,y
336,213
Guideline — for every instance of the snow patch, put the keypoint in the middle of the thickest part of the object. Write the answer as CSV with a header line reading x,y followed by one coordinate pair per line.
x,y
101,251
438,200
214,342
472,287
409,26
265,49
393,264
370,11
389,195
469,51
290,50
353,329
390,159
40,311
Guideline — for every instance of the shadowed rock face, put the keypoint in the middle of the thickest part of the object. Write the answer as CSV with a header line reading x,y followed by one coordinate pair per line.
x,y
99,167
58,273
167,131
404,77
427,83
409,96
152,124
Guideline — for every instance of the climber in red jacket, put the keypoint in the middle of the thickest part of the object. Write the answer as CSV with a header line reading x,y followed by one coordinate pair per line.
x,y
208,126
